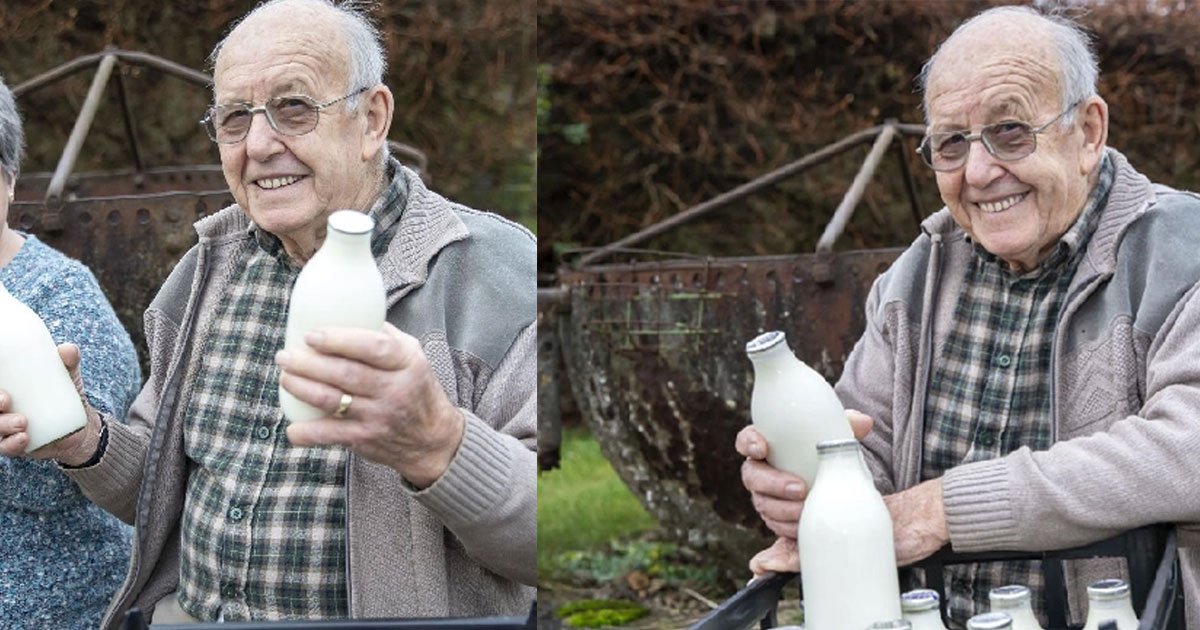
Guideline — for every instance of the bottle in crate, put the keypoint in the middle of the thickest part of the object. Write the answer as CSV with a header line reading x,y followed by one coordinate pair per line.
x,y
921,607
1016,600
991,621
847,550
792,406
1109,600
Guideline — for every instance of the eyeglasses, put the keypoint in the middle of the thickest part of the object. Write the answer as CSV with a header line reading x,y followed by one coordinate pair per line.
x,y
1008,141
293,115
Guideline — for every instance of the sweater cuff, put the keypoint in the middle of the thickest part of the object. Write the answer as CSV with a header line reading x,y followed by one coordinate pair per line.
x,y
118,462
979,508
475,480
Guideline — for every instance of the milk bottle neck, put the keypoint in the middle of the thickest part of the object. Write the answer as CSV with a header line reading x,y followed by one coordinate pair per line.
x,y
841,459
773,357
1119,603
345,245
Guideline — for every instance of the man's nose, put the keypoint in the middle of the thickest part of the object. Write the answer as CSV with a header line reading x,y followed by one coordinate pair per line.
x,y
262,141
981,166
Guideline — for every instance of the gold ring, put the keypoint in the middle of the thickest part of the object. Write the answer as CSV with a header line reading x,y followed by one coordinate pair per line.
x,y
343,405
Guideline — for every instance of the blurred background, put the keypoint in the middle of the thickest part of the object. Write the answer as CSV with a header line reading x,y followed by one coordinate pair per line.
x,y
462,72
647,109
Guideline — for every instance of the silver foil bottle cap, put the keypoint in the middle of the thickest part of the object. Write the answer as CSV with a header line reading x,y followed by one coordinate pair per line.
x,y
765,341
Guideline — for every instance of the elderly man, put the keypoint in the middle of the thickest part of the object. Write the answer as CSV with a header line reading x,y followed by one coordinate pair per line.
x,y
1032,363
418,498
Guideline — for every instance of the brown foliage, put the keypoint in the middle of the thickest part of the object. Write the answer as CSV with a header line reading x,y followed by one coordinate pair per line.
x,y
462,72
685,99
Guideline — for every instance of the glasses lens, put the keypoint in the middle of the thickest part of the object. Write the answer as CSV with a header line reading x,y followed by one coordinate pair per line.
x,y
293,115
1010,140
947,150
229,123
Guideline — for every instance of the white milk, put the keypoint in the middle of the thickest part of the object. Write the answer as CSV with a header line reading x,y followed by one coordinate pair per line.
x,y
921,607
847,554
1015,600
34,376
339,286
792,406
990,621
1109,600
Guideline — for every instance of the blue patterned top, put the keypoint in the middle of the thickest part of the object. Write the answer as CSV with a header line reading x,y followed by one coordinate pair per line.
x,y
64,556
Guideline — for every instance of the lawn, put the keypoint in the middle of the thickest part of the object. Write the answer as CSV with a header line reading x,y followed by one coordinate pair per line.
x,y
583,505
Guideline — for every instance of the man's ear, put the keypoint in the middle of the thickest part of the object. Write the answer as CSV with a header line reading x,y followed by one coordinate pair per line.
x,y
378,108
1094,119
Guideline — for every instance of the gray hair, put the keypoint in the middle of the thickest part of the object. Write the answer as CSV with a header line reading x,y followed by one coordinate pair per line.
x,y
1077,66
12,134
367,60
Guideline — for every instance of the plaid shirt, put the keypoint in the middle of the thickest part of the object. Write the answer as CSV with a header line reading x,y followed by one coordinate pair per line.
x,y
990,392
264,526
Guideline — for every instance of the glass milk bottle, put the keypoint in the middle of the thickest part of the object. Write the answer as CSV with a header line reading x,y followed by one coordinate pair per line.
x,y
792,406
1015,600
847,554
1109,600
991,621
34,376
921,607
895,624
339,286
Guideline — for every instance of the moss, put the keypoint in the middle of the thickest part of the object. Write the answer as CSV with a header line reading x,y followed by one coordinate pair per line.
x,y
601,613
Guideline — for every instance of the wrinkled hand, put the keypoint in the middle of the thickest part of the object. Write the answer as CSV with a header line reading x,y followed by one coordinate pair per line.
x,y
779,496
781,556
400,415
918,521
74,449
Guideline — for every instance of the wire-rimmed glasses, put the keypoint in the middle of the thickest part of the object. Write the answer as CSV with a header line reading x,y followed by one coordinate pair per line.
x,y
289,115
1009,140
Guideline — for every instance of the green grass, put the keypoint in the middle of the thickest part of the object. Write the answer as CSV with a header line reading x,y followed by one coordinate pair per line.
x,y
583,505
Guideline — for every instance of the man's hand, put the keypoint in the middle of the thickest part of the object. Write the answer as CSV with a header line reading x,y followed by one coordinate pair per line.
x,y
918,529
783,555
399,417
779,496
918,521
74,449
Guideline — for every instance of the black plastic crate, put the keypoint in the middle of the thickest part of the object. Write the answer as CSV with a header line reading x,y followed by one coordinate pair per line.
x,y
134,620
1150,552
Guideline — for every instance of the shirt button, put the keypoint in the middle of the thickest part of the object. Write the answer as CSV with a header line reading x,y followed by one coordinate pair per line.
x,y
235,513
263,432
987,438
960,585
1004,360
229,591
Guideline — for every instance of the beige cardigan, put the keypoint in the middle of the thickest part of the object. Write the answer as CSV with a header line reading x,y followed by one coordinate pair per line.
x,y
1125,392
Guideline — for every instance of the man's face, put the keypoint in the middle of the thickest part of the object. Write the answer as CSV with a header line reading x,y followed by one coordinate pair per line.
x,y
290,184
1018,209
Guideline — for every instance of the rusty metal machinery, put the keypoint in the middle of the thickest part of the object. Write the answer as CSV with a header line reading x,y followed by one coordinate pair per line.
x,y
129,226
654,354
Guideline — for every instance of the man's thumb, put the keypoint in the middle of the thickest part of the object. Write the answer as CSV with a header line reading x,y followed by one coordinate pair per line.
x,y
69,353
